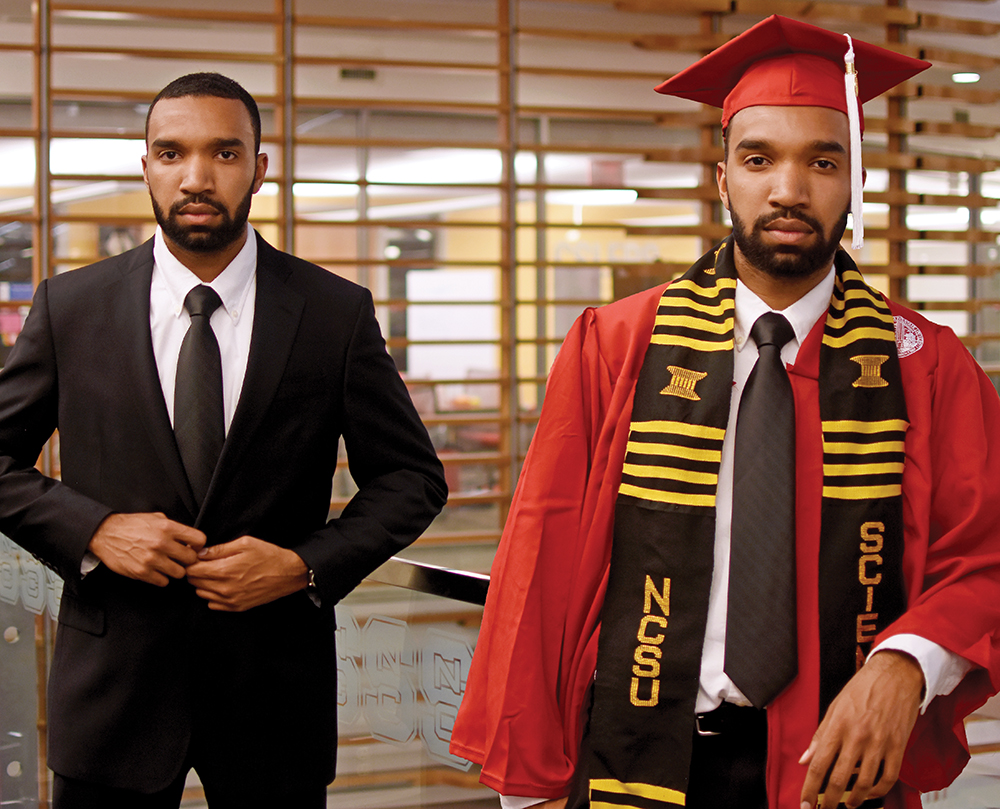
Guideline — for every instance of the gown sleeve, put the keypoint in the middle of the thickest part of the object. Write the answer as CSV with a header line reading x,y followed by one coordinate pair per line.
x,y
951,490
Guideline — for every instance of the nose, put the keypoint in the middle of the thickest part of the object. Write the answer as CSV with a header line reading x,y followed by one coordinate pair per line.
x,y
197,177
789,187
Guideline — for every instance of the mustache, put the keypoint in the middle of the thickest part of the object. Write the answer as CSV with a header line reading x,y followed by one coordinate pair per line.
x,y
197,199
788,213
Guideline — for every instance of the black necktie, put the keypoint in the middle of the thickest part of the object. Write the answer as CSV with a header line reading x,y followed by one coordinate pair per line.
x,y
199,421
761,652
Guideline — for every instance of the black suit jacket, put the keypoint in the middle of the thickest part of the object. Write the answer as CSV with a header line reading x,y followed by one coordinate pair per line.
x,y
136,667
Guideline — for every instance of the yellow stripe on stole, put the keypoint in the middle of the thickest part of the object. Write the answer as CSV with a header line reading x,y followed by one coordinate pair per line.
x,y
856,335
662,794
674,451
670,473
855,293
687,342
857,470
694,323
678,428
851,448
865,293
862,492
677,498
865,427
856,312
678,302
706,292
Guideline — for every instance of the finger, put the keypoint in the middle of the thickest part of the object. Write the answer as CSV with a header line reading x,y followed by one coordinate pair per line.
x,y
189,536
202,574
867,775
154,577
221,551
819,764
888,773
180,554
837,783
217,602
171,568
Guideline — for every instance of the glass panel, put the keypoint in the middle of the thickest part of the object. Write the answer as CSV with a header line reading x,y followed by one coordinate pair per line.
x,y
17,70
388,84
97,156
16,254
17,180
111,32
404,662
29,598
119,74
16,28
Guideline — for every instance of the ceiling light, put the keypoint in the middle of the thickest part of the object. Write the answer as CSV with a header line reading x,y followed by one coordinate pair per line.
x,y
965,78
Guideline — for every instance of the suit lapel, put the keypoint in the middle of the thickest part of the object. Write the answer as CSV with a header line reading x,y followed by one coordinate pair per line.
x,y
277,309
133,335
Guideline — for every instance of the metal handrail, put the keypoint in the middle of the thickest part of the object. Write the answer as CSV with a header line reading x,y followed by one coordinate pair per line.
x,y
461,585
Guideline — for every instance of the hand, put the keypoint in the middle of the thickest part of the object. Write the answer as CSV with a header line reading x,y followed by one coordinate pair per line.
x,y
146,547
866,728
245,573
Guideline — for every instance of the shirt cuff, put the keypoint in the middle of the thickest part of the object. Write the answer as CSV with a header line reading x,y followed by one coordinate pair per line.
x,y
515,802
89,563
943,670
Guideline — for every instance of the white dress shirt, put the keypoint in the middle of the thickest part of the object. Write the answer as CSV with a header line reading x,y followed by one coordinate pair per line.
x,y
232,322
942,669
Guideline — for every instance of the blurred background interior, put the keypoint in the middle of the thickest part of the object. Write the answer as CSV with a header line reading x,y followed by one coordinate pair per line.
x,y
487,168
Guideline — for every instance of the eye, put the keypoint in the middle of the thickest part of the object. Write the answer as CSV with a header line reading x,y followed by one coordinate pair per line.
x,y
169,154
227,154
824,163
755,161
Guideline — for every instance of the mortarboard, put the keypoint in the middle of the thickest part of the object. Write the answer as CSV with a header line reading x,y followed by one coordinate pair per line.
x,y
783,62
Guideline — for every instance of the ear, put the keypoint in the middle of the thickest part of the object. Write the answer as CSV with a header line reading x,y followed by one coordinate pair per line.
x,y
864,177
260,171
720,179
145,176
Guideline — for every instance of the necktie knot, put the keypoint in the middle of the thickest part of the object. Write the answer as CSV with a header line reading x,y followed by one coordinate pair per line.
x,y
202,300
772,329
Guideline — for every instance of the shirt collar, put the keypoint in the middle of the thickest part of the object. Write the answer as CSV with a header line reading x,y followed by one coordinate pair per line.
x,y
802,315
233,284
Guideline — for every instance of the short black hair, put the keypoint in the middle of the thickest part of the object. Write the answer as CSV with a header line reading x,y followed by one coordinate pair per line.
x,y
214,85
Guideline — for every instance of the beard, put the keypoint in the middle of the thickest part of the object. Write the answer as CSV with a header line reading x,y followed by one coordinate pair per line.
x,y
783,260
204,238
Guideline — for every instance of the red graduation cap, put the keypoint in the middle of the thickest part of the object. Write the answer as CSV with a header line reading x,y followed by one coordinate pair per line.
x,y
786,63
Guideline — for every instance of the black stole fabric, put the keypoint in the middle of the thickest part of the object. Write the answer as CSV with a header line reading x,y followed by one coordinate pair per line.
x,y
655,610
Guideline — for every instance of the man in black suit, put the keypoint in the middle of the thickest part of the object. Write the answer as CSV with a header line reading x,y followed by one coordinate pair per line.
x,y
197,623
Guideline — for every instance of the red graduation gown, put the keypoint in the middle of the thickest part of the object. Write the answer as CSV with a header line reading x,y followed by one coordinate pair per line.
x,y
521,716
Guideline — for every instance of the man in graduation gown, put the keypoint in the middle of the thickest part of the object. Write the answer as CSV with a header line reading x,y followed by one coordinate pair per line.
x,y
653,636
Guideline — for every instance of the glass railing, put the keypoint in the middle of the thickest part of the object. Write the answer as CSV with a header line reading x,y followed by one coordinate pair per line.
x,y
404,637
405,640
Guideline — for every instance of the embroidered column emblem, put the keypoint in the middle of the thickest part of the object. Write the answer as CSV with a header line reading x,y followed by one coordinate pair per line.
x,y
682,383
871,370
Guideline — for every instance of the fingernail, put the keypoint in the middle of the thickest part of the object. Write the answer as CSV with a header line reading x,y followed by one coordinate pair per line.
x,y
203,553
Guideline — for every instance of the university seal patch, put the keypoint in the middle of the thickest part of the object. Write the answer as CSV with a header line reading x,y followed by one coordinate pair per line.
x,y
909,339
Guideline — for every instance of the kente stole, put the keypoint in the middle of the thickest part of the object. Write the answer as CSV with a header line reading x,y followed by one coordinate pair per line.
x,y
654,615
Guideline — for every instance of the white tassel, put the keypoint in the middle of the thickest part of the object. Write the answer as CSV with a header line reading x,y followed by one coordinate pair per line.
x,y
854,122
